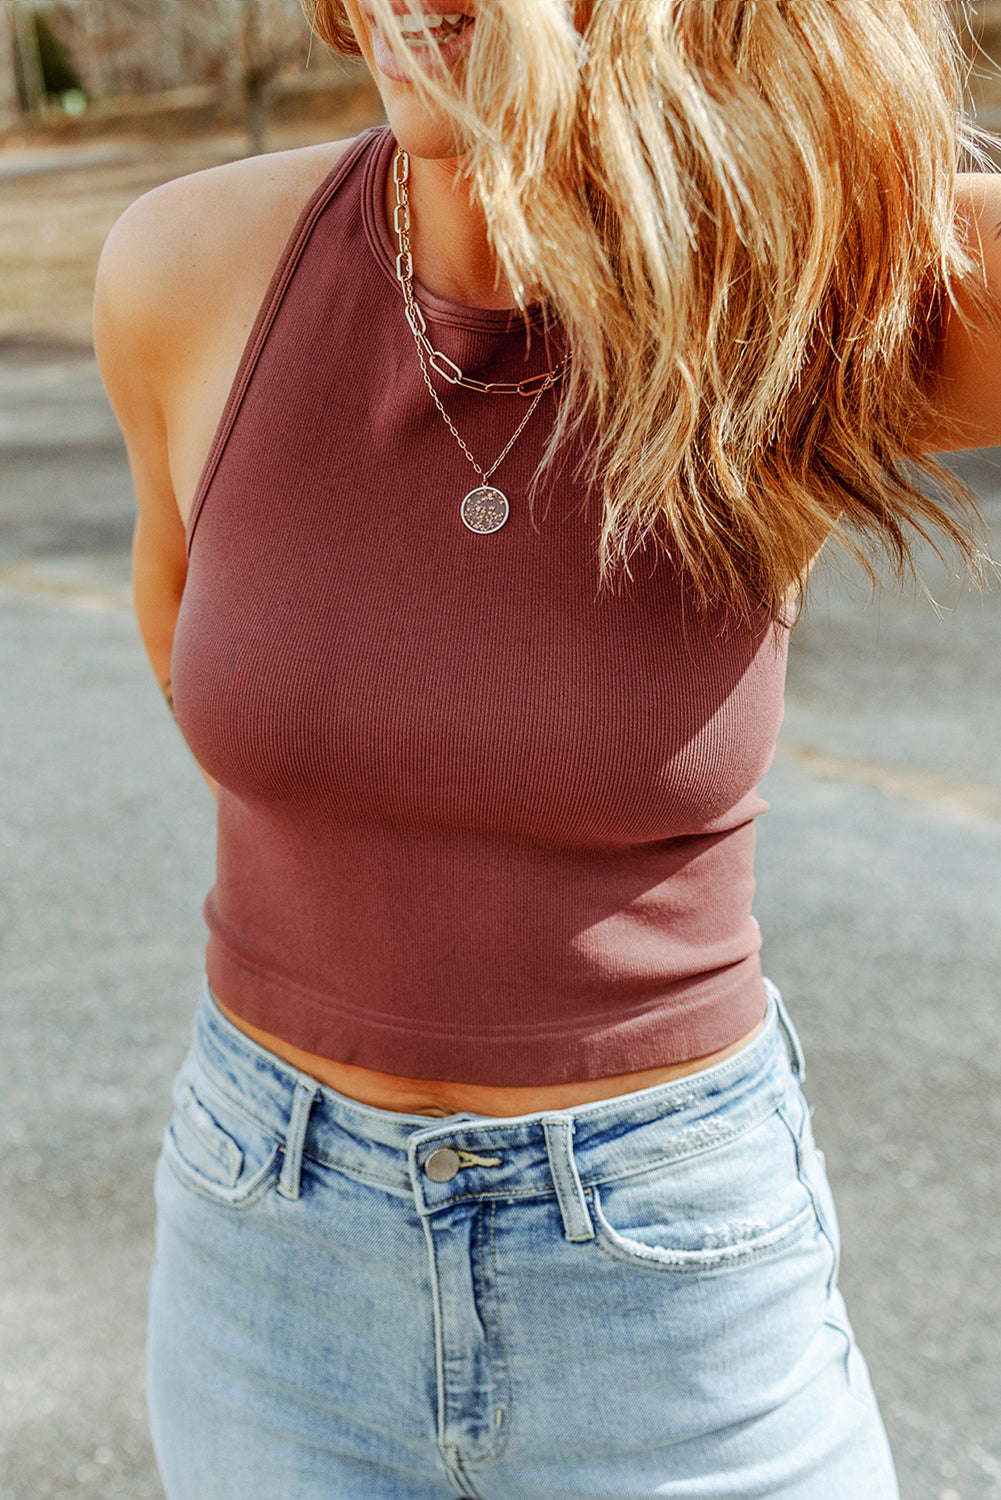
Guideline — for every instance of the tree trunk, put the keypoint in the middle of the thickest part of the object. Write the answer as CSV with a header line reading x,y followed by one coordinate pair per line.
x,y
258,101
29,58
10,104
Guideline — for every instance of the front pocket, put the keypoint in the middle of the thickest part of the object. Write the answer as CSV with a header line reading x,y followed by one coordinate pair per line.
x,y
217,1150
713,1210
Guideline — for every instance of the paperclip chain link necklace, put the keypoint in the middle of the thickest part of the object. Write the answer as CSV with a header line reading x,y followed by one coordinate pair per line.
x,y
486,508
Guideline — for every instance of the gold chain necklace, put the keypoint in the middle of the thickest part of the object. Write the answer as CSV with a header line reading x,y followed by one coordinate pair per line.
x,y
486,508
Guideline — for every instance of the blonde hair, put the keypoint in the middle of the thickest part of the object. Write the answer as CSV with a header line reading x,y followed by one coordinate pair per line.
x,y
742,212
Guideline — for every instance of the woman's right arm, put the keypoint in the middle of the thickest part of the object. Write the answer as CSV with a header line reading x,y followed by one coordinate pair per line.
x,y
133,341
180,281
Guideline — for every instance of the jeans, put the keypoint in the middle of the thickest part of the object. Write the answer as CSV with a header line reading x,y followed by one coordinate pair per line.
x,y
631,1298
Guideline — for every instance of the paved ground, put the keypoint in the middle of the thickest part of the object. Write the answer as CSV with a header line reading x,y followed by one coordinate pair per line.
x,y
879,874
35,159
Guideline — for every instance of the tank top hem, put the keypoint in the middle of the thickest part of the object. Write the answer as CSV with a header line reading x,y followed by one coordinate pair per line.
x,y
665,1030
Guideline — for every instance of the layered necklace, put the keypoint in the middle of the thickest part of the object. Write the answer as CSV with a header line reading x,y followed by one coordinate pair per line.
x,y
485,508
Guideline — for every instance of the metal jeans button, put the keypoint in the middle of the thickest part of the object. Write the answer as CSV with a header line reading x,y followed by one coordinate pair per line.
x,y
442,1165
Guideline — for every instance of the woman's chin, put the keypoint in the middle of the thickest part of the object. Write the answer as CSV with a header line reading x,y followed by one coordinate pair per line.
x,y
421,129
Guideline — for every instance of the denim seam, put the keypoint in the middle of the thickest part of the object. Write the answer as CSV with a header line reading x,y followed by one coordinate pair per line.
x,y
839,1328
460,1467
400,1187
797,1142
439,1350
495,1281
489,1214
829,1320
458,1473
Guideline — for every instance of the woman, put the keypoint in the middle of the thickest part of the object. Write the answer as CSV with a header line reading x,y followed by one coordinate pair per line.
x,y
489,1172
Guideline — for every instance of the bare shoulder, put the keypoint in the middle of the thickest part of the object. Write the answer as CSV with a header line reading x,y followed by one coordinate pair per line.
x,y
187,223
201,246
181,278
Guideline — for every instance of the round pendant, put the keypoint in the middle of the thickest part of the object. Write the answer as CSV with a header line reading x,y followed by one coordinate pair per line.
x,y
485,509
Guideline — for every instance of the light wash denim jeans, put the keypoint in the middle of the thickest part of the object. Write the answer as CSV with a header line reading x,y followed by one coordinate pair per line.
x,y
627,1299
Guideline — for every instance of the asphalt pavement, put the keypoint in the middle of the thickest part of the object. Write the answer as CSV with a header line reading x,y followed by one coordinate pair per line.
x,y
879,877
35,159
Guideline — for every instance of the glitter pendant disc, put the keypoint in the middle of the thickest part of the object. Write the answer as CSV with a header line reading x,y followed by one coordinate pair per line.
x,y
485,509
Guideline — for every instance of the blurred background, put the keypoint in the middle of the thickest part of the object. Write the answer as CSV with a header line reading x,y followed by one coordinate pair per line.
x,y
879,864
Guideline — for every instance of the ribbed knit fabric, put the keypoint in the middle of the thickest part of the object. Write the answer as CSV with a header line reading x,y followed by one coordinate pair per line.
x,y
478,820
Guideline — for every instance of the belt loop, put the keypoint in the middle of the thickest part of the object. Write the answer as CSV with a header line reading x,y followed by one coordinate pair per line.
x,y
577,1224
302,1102
796,1059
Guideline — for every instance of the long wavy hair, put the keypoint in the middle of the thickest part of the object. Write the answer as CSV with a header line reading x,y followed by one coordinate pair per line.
x,y
743,215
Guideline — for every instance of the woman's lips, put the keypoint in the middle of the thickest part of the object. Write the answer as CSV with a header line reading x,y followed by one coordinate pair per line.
x,y
438,58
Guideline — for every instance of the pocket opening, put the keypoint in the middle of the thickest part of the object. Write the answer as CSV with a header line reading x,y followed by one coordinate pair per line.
x,y
711,1258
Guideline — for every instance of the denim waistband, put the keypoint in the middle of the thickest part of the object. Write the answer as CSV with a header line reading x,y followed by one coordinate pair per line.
x,y
499,1156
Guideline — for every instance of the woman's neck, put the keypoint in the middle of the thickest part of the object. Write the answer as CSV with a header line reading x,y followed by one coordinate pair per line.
x,y
451,250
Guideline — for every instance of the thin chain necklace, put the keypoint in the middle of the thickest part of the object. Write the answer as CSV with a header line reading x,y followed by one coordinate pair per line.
x,y
486,508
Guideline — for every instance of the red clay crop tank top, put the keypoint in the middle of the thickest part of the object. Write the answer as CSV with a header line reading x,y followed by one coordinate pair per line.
x,y
479,820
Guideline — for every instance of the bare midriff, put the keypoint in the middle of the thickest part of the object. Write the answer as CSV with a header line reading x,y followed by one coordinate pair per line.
x,y
423,1096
